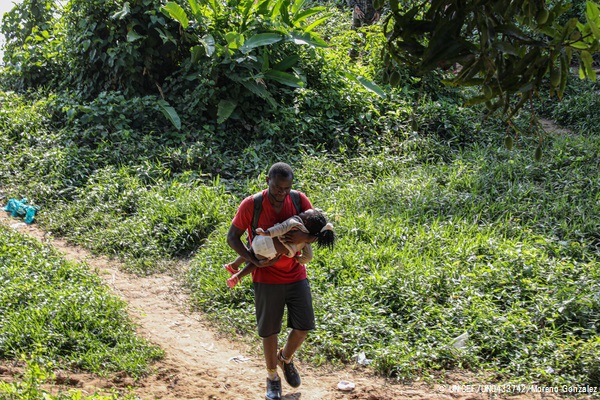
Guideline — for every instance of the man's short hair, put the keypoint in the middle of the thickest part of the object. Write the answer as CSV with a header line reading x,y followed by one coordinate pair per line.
x,y
281,170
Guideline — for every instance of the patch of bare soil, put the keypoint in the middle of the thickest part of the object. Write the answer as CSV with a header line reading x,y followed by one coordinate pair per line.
x,y
551,128
201,364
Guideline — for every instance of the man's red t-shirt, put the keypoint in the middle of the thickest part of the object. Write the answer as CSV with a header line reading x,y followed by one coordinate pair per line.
x,y
286,270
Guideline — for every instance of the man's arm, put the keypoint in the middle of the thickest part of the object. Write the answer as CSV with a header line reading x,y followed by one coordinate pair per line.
x,y
297,237
234,240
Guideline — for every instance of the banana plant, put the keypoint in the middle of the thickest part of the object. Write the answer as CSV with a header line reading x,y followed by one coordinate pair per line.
x,y
249,39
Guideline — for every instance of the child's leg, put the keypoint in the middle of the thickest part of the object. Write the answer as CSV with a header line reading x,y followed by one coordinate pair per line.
x,y
235,278
233,267
246,270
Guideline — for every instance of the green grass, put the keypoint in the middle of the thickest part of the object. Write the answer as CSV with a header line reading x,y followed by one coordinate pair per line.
x,y
434,240
62,315
491,243
441,230
143,220
33,382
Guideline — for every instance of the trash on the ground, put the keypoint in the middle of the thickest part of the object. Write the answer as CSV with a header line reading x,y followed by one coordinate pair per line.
x,y
346,386
362,359
18,225
21,209
209,347
460,341
239,359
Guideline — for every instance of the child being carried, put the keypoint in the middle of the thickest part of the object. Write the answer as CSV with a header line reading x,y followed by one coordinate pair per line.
x,y
267,244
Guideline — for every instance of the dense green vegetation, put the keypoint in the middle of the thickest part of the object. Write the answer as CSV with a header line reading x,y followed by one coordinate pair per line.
x,y
55,314
489,243
505,48
442,229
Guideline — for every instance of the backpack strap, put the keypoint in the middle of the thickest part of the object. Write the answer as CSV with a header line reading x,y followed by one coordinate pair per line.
x,y
296,200
258,199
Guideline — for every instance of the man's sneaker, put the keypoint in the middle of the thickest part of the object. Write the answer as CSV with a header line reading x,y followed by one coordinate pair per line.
x,y
292,377
273,389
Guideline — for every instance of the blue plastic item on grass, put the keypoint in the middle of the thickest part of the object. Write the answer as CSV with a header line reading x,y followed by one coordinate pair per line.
x,y
21,209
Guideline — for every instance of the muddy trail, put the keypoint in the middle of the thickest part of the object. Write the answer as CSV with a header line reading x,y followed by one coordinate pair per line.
x,y
200,363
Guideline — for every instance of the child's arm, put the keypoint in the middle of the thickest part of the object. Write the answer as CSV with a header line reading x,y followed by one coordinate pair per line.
x,y
306,255
235,278
282,228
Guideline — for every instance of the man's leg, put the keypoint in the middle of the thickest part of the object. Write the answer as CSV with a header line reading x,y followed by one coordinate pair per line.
x,y
294,341
285,356
273,380
269,303
270,350
301,319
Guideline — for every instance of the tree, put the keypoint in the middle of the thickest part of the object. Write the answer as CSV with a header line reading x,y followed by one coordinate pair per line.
x,y
253,43
121,45
505,47
29,51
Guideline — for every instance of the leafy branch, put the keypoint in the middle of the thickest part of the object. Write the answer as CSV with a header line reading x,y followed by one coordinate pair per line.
x,y
506,48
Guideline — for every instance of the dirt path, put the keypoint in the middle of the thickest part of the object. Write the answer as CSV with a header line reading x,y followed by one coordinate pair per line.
x,y
199,363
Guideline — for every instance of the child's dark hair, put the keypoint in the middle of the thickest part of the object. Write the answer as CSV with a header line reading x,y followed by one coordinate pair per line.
x,y
316,223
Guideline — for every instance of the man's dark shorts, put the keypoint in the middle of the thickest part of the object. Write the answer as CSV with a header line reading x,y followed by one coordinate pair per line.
x,y
270,301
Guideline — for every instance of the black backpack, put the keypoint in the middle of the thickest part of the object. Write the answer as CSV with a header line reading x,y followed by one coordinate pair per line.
x,y
258,199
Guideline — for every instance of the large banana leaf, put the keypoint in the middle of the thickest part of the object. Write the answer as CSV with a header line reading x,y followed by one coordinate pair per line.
x,y
261,39
177,13
284,78
169,112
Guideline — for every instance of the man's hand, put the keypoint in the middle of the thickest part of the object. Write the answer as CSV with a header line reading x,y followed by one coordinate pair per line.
x,y
376,17
264,262
296,236
267,262
261,232
359,13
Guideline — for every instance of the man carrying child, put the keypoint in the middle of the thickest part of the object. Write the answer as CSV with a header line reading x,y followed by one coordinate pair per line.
x,y
280,282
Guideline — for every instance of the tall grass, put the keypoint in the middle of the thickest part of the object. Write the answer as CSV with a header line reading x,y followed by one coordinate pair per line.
x,y
61,315
140,215
492,243
435,240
